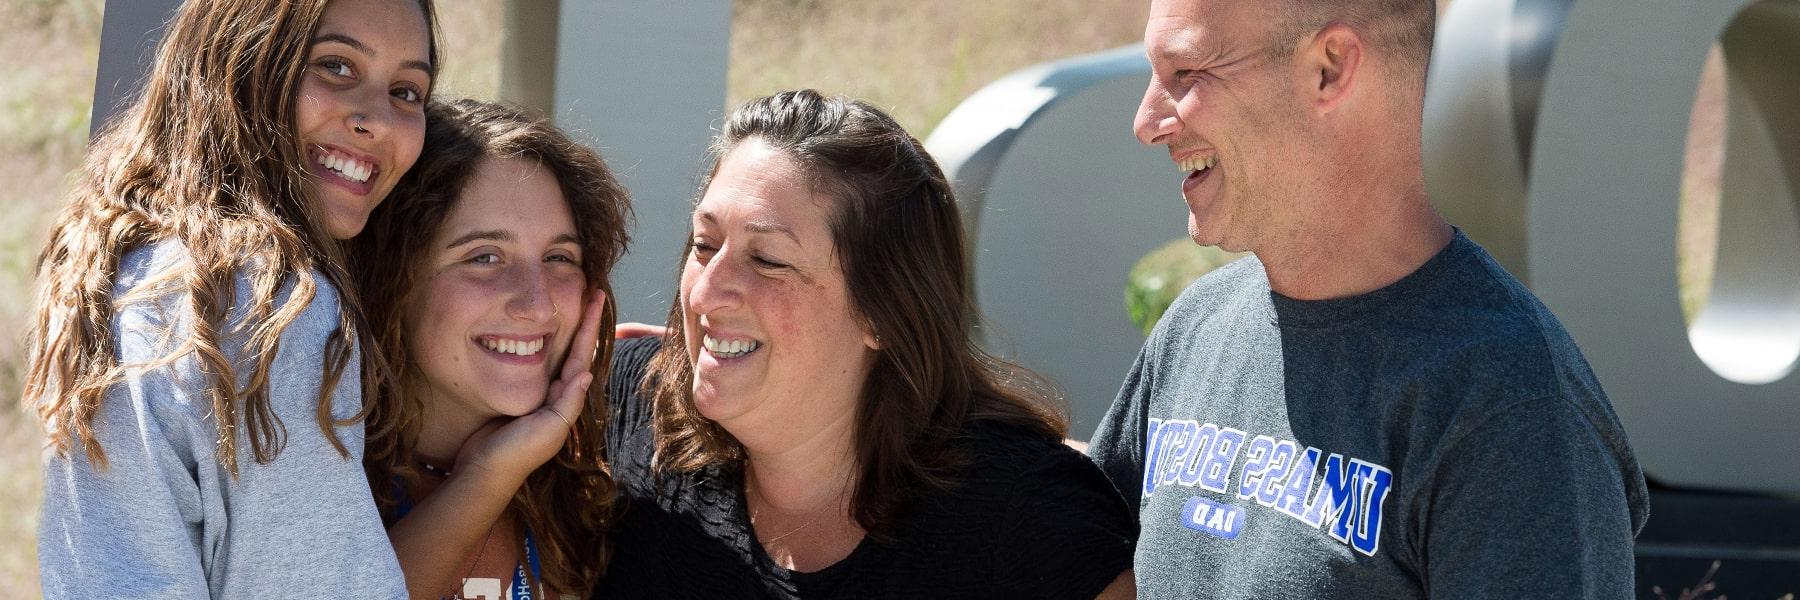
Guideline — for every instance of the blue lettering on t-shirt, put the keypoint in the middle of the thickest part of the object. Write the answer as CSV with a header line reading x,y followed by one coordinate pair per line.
x,y
1336,499
1219,459
1152,428
1281,465
1260,448
1299,485
1221,520
1160,446
1376,480
1199,452
1178,443
1341,495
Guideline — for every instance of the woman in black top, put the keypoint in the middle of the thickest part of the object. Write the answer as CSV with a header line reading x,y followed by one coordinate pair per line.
x,y
816,423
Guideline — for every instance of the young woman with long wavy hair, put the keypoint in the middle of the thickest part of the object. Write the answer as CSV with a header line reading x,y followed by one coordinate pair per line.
x,y
196,344
485,274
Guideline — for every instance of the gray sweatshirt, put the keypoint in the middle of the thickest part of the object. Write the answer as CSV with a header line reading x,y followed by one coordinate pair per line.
x,y
166,520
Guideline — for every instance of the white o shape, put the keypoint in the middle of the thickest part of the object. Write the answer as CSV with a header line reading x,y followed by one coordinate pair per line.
x,y
1720,410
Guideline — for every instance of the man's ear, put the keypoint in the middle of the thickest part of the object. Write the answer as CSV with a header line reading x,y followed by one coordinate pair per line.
x,y
1331,65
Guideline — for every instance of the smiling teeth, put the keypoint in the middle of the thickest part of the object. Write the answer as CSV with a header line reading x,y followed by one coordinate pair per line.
x,y
1197,163
731,349
519,347
352,169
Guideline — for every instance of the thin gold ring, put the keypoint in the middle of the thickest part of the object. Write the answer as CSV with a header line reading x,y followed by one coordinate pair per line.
x,y
559,415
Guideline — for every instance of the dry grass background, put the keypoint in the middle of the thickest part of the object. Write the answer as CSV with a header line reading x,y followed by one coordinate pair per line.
x,y
915,59
45,92
918,59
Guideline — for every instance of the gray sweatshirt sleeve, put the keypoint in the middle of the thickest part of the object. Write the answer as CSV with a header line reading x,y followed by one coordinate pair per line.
x,y
166,520
134,529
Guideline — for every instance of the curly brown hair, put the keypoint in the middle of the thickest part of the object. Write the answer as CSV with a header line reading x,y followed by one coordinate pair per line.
x,y
567,501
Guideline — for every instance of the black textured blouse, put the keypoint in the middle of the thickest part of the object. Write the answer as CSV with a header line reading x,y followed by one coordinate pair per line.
x,y
1027,518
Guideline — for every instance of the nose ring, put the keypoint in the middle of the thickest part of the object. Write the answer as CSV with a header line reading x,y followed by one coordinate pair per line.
x,y
358,124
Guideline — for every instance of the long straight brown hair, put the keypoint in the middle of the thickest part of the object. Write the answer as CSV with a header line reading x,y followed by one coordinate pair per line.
x,y
566,502
895,225
205,157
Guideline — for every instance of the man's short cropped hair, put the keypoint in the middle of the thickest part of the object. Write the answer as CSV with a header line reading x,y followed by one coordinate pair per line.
x,y
1402,28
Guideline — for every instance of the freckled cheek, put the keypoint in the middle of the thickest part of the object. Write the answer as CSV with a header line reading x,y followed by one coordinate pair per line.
x,y
815,316
449,309
782,316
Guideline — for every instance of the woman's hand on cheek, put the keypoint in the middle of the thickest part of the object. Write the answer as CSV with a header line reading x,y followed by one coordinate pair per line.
x,y
513,447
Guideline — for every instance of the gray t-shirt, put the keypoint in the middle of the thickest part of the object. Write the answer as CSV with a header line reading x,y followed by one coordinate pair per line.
x,y
166,520
1440,437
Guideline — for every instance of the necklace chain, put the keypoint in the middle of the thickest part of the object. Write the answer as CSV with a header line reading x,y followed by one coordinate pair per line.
x,y
751,488
456,587
808,523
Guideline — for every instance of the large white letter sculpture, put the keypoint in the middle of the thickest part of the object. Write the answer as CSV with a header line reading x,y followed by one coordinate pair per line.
x,y
1721,409
1060,200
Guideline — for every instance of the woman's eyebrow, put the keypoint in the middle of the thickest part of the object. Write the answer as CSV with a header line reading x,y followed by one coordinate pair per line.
x,y
365,49
345,40
771,227
495,235
755,226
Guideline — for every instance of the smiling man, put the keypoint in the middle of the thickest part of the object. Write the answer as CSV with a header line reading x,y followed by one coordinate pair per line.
x,y
1369,407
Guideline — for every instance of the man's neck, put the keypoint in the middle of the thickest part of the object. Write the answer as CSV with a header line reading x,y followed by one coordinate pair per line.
x,y
1359,241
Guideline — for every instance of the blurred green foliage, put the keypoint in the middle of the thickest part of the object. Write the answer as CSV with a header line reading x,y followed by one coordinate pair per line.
x,y
1161,275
